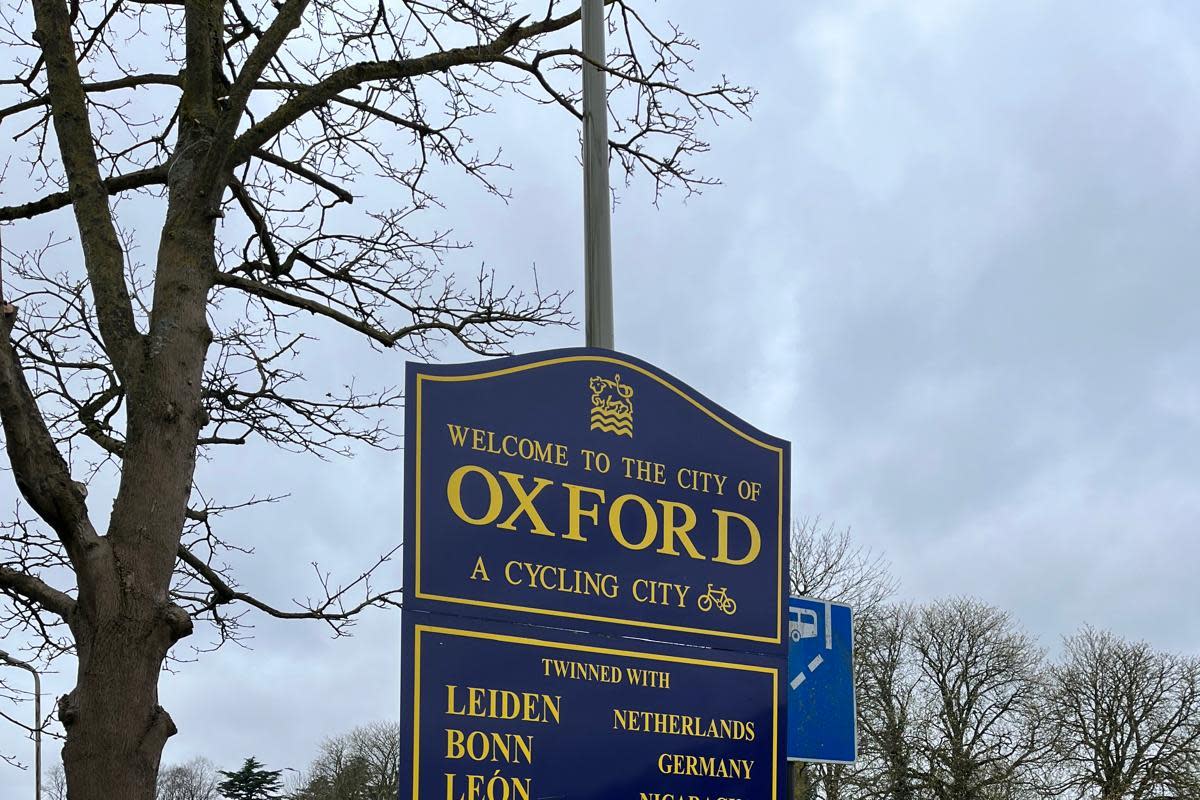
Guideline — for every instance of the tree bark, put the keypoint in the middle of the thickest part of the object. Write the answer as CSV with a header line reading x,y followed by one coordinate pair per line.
x,y
115,727
124,622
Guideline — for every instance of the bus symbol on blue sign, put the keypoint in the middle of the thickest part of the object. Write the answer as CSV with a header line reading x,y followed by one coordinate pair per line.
x,y
821,712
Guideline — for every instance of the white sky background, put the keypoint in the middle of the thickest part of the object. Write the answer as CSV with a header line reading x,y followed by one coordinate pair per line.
x,y
953,261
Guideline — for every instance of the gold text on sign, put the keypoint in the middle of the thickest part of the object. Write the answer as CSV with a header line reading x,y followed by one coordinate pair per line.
x,y
477,701
503,499
662,723
705,766
510,445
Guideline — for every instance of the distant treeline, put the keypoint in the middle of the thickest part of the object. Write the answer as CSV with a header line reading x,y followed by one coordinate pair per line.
x,y
955,702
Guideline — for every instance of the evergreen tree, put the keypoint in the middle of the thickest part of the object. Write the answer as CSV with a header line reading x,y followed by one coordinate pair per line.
x,y
251,782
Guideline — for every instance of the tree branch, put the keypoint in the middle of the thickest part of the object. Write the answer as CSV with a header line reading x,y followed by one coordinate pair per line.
x,y
286,21
268,292
364,72
224,594
40,471
307,174
37,590
126,82
154,176
259,222
103,256
388,338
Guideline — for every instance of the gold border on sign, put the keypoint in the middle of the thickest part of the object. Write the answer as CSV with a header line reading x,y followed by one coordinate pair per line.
x,y
581,648
776,639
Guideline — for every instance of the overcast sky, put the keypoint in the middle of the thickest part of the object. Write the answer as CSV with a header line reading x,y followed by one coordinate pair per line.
x,y
953,261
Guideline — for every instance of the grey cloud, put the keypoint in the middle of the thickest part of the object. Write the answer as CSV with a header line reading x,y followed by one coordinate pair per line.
x,y
953,262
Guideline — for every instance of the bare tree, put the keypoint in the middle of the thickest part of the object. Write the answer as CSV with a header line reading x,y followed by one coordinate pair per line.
x,y
363,764
827,564
886,676
980,732
1126,718
208,152
378,745
56,783
193,780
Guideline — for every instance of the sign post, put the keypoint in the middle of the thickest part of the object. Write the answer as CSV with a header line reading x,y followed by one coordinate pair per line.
x,y
597,221
594,576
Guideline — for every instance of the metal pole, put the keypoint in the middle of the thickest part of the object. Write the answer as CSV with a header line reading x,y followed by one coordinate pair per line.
x,y
37,720
596,223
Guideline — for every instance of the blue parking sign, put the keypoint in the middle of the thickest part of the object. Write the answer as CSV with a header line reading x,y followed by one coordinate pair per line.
x,y
821,724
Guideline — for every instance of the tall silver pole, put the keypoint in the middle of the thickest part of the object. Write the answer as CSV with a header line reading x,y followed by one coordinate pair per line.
x,y
37,720
596,223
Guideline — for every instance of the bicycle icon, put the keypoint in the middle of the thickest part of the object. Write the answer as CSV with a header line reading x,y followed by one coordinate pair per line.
x,y
718,598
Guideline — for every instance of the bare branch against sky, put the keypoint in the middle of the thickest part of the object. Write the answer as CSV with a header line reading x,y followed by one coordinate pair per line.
x,y
234,144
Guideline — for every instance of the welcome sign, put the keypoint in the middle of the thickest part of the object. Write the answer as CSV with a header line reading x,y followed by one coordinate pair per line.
x,y
594,586
584,488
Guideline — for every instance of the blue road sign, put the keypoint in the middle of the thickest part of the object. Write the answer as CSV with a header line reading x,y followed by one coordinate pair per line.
x,y
587,489
821,719
522,712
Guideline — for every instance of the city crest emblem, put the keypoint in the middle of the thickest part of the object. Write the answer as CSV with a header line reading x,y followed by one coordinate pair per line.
x,y
612,406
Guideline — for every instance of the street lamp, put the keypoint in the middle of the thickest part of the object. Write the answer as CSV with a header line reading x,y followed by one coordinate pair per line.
x,y
37,719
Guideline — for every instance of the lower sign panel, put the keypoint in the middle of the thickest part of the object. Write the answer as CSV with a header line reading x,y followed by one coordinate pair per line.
x,y
498,712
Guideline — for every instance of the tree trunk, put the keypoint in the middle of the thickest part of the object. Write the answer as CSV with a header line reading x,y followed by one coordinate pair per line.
x,y
124,622
115,728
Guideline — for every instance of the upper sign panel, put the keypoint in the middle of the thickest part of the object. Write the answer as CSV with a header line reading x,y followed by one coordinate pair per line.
x,y
586,489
